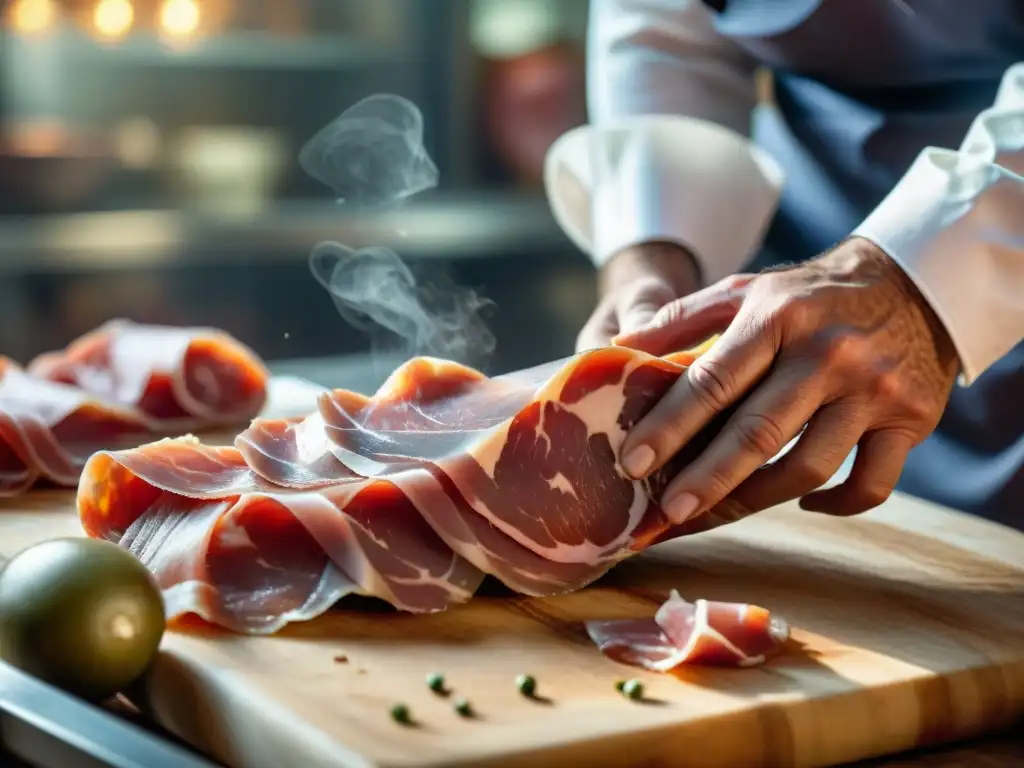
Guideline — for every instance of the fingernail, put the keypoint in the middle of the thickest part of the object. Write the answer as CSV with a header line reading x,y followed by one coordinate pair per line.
x,y
680,507
637,461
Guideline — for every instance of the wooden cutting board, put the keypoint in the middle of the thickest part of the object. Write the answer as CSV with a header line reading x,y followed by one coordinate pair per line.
x,y
908,630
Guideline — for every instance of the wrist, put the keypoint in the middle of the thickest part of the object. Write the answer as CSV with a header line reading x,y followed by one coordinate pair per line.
x,y
868,262
670,261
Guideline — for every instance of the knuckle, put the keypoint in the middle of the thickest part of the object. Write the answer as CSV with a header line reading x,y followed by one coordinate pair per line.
x,y
810,473
888,388
759,434
897,399
920,410
669,314
843,350
712,383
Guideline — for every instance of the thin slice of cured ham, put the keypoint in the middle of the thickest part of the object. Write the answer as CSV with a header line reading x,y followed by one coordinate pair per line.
x,y
411,495
518,474
252,556
48,430
701,633
184,378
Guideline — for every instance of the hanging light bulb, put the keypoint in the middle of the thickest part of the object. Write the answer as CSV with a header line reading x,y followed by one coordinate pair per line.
x,y
32,16
179,18
113,18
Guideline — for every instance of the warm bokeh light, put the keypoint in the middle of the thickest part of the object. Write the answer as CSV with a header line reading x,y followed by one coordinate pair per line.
x,y
179,18
28,16
113,18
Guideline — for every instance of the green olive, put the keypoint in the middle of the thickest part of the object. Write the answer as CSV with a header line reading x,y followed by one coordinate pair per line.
x,y
82,614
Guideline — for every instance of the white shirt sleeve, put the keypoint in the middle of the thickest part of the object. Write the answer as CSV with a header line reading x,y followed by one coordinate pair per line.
x,y
955,224
666,155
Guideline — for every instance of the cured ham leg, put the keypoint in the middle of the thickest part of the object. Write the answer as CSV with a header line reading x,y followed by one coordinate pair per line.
x,y
240,552
183,378
49,430
701,633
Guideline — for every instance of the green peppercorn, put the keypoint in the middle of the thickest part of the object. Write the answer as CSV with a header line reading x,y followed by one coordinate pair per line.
x,y
464,708
526,684
435,682
620,685
633,689
400,714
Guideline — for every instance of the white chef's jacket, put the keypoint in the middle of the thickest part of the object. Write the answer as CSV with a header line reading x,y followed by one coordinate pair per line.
x,y
666,157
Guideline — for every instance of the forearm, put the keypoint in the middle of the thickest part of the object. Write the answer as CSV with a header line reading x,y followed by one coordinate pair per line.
x,y
955,224
666,155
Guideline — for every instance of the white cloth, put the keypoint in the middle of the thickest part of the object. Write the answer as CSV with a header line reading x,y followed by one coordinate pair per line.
x,y
666,157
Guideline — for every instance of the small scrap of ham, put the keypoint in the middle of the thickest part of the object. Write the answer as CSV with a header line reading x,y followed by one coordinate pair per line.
x,y
115,388
701,633
412,495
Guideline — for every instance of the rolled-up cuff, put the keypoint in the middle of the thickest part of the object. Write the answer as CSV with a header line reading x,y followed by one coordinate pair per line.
x,y
955,225
669,178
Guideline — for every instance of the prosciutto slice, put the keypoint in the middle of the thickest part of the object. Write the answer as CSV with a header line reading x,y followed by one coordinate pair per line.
x,y
411,495
48,430
700,633
517,474
182,378
251,556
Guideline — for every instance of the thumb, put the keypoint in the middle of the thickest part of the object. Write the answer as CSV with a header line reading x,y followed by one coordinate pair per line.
x,y
686,322
639,303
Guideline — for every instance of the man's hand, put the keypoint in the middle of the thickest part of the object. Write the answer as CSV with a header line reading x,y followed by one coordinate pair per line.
x,y
634,285
844,344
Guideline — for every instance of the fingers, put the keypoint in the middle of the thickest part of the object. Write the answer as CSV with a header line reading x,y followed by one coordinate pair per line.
x,y
599,329
632,306
831,435
689,320
758,430
716,380
881,455
640,302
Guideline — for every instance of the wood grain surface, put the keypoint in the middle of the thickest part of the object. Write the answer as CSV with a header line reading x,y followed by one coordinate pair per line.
x,y
908,631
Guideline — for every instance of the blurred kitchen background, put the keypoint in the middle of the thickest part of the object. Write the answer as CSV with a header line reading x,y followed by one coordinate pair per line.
x,y
148,165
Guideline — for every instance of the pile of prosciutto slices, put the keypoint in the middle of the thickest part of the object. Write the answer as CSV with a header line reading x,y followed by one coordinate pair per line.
x,y
118,386
413,496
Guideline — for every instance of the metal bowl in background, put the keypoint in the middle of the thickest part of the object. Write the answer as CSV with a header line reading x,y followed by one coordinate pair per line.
x,y
228,171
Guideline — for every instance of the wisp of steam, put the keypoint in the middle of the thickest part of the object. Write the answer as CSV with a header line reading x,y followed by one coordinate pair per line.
x,y
374,290
373,155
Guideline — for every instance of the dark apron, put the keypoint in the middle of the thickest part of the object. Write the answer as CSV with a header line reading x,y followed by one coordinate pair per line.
x,y
861,87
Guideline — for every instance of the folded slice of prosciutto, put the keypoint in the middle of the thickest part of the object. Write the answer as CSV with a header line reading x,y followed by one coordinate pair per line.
x,y
184,378
48,430
704,632
228,546
411,495
518,474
